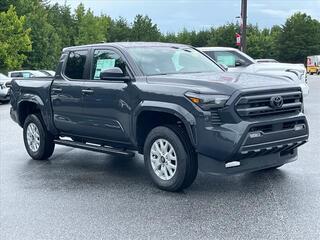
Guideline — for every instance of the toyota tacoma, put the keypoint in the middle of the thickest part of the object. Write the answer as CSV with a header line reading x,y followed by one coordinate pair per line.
x,y
170,102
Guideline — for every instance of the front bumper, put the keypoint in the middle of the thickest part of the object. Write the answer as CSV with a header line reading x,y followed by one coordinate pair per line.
x,y
251,145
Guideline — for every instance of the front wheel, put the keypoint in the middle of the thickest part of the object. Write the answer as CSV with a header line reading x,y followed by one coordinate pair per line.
x,y
170,158
37,140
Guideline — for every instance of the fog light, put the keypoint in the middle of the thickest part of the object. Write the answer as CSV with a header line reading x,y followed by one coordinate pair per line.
x,y
232,164
255,134
299,127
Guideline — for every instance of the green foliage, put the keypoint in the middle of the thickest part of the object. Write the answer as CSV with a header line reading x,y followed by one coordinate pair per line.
x,y
14,39
46,42
90,28
144,30
119,30
47,29
224,36
299,37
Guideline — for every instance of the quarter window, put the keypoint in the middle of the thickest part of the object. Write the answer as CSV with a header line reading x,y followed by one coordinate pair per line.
x,y
75,64
105,59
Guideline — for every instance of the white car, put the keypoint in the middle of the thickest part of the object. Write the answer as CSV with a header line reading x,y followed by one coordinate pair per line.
x,y
4,91
236,60
26,74
49,73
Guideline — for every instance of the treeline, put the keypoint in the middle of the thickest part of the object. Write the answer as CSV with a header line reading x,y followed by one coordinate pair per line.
x,y
33,33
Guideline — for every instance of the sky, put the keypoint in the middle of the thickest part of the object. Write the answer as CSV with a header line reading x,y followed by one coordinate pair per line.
x,y
174,15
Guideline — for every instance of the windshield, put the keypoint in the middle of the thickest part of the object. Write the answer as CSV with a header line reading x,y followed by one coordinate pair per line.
x,y
171,60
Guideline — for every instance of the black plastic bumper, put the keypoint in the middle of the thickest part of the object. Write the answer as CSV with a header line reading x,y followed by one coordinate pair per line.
x,y
251,146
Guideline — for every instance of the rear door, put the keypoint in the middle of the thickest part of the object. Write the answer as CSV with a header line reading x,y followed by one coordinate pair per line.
x,y
66,92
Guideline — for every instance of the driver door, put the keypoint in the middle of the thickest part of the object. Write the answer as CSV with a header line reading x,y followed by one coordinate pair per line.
x,y
106,103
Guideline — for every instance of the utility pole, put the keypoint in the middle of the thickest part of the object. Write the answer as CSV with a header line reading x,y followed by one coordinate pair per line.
x,y
244,7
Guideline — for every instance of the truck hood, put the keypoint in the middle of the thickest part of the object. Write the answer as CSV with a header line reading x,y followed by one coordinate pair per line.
x,y
294,71
225,82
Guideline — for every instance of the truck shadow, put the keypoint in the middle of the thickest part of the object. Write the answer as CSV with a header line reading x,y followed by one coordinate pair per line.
x,y
77,169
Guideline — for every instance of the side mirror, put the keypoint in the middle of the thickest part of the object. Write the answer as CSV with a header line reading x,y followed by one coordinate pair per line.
x,y
225,67
239,63
113,74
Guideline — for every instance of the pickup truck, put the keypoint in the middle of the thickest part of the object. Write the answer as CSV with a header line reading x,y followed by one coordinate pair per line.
x,y
169,102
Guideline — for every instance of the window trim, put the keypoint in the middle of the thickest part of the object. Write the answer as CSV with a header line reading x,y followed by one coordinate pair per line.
x,y
115,50
85,68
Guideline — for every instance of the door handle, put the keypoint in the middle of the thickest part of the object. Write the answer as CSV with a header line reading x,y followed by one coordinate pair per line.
x,y
87,91
57,90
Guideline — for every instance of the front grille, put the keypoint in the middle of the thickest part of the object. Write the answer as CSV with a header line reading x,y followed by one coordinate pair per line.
x,y
282,149
215,118
260,105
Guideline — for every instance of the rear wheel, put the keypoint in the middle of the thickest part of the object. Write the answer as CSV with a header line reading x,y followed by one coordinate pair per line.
x,y
170,158
37,140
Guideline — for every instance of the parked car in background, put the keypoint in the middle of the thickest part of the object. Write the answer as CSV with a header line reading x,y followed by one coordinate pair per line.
x,y
4,90
313,64
266,60
26,74
49,73
237,61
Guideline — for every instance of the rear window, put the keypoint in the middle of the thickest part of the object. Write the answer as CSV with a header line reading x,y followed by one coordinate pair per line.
x,y
16,75
75,64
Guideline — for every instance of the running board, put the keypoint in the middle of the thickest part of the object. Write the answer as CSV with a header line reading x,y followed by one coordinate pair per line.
x,y
95,148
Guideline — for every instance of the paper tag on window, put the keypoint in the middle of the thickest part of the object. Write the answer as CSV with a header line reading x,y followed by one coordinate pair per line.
x,y
103,64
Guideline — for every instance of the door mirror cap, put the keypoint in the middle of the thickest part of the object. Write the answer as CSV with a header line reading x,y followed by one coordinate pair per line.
x,y
114,74
240,62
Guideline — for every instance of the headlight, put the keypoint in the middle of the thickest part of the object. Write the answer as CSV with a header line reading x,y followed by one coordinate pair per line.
x,y
207,101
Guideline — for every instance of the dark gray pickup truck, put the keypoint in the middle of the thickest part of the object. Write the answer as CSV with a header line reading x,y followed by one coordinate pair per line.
x,y
169,102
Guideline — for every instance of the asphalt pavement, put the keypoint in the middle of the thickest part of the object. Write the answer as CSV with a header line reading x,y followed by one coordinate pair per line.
x,y
79,194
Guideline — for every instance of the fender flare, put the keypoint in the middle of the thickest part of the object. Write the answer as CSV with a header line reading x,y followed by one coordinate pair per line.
x,y
34,99
184,115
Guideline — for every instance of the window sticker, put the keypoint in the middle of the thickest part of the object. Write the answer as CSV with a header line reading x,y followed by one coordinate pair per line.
x,y
103,64
25,75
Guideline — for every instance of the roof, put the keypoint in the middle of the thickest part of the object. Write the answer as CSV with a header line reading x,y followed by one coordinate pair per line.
x,y
128,45
216,48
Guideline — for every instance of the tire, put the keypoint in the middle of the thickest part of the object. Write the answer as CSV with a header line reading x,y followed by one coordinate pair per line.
x,y
186,161
43,144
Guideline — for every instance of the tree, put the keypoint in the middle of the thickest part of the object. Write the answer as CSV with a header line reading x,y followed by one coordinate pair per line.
x,y
299,38
144,30
14,40
59,16
90,28
223,36
119,30
46,44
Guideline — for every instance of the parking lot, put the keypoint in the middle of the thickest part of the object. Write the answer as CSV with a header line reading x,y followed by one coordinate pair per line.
x,y
86,195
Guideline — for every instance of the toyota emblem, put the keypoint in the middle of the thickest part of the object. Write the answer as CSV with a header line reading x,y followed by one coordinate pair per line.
x,y
276,102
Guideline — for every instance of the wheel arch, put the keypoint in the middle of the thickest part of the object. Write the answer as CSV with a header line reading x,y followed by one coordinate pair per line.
x,y
25,107
168,112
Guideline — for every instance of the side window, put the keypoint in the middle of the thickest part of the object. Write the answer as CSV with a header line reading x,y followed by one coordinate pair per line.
x,y
104,59
75,64
16,75
27,75
211,54
226,58
231,59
